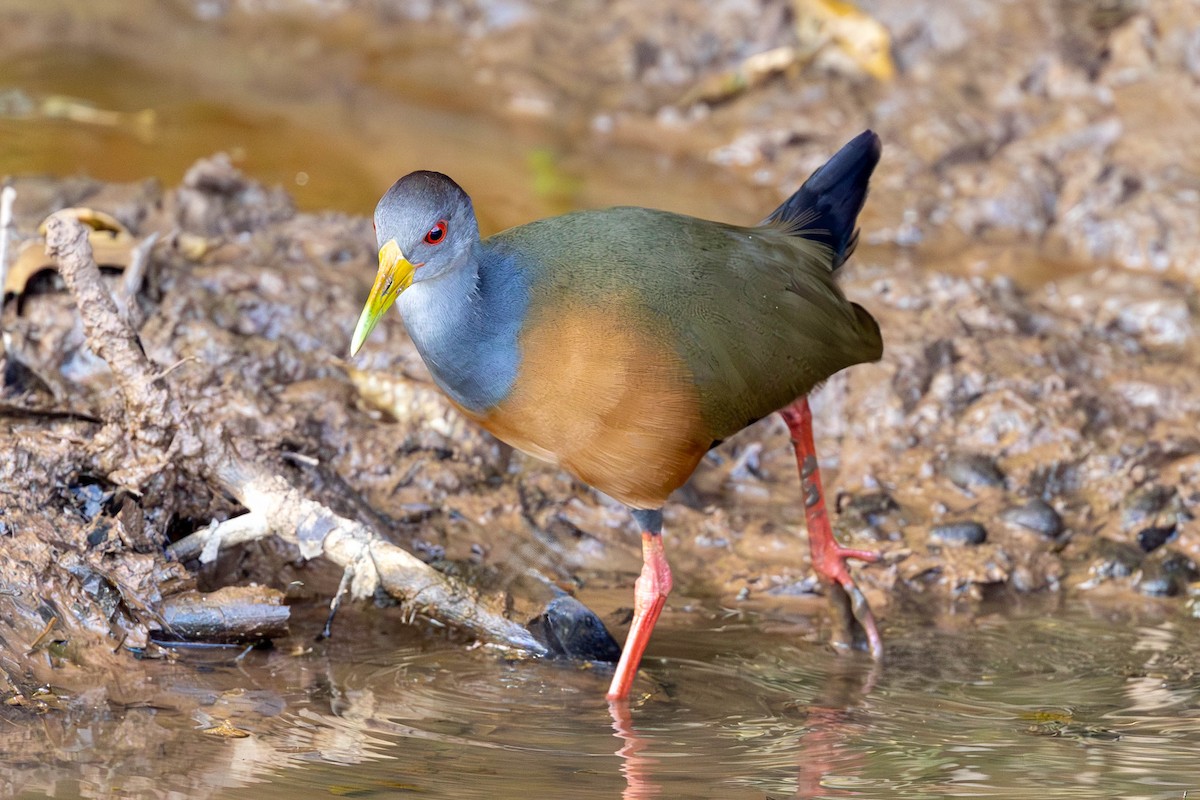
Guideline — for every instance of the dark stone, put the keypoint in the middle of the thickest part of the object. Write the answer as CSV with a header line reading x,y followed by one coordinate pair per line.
x,y
967,471
1144,506
569,629
98,535
1037,515
1154,537
1115,559
940,354
98,587
912,382
1166,574
18,379
958,533
89,499
870,507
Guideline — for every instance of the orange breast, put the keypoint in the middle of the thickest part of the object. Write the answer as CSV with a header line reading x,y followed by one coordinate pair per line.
x,y
611,402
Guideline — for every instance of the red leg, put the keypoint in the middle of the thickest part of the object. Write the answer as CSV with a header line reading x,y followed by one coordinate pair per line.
x,y
649,597
829,557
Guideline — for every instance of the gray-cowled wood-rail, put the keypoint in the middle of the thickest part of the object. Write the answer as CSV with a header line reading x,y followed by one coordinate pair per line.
x,y
624,343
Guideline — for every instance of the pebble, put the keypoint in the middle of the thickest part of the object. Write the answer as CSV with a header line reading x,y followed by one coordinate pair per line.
x,y
1037,515
966,471
1115,559
569,629
1155,536
90,499
1166,574
870,507
958,533
1146,504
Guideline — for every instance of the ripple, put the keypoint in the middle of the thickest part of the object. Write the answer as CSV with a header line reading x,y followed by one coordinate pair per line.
x,y
1063,705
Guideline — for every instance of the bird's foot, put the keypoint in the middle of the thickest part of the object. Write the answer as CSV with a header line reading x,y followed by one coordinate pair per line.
x,y
852,614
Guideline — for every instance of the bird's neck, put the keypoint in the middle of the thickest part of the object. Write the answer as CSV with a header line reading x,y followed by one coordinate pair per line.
x,y
465,324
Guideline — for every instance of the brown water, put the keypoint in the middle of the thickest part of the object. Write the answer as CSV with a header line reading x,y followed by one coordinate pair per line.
x,y
332,108
1071,704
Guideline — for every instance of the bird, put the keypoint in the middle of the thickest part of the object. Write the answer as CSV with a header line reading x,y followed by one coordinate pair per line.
x,y
624,343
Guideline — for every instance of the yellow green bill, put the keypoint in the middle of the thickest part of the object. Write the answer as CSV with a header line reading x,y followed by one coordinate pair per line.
x,y
394,276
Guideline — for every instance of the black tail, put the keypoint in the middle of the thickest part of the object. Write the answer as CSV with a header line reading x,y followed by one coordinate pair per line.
x,y
826,207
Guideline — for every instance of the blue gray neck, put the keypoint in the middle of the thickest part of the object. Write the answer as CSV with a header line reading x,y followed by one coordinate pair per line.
x,y
465,324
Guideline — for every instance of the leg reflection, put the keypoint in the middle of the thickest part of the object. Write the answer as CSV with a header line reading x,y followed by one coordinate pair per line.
x,y
636,766
829,726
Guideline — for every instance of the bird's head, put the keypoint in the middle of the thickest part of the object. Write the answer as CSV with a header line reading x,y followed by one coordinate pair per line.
x,y
425,227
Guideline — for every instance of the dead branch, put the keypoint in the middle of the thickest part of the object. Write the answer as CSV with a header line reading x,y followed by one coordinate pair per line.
x,y
275,507
8,196
131,283
107,334
278,508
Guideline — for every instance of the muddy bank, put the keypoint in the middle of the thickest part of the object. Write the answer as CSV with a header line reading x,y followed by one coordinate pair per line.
x,y
1065,127
1062,126
1033,441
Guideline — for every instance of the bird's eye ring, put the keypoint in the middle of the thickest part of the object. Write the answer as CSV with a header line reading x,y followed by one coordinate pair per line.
x,y
437,233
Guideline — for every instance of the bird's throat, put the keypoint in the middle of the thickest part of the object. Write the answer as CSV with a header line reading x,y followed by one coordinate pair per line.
x,y
465,323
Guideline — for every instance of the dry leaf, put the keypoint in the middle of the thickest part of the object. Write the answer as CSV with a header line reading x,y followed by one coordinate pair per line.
x,y
112,246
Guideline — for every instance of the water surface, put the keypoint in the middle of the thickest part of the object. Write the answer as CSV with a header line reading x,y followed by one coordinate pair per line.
x,y
333,107
1077,703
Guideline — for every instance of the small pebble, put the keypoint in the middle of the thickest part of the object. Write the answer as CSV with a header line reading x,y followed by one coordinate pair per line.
x,y
958,533
1146,504
966,471
1166,574
1115,559
1038,516
870,507
90,499
1154,537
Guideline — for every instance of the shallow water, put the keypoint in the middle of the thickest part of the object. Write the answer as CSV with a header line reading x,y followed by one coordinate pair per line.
x,y
333,109
1073,703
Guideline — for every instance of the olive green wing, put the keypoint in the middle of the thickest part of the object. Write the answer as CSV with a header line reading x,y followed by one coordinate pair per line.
x,y
755,313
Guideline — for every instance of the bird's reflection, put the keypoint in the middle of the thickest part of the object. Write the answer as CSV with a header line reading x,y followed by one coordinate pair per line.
x,y
827,724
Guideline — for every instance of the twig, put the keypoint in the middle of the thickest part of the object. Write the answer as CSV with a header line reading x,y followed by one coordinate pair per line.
x,y
204,545
109,336
8,196
336,603
135,274
376,563
164,373
43,635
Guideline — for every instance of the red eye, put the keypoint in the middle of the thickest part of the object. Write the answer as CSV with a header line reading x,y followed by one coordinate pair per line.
x,y
437,233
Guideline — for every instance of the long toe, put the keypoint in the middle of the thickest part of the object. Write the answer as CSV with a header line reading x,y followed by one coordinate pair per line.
x,y
851,611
